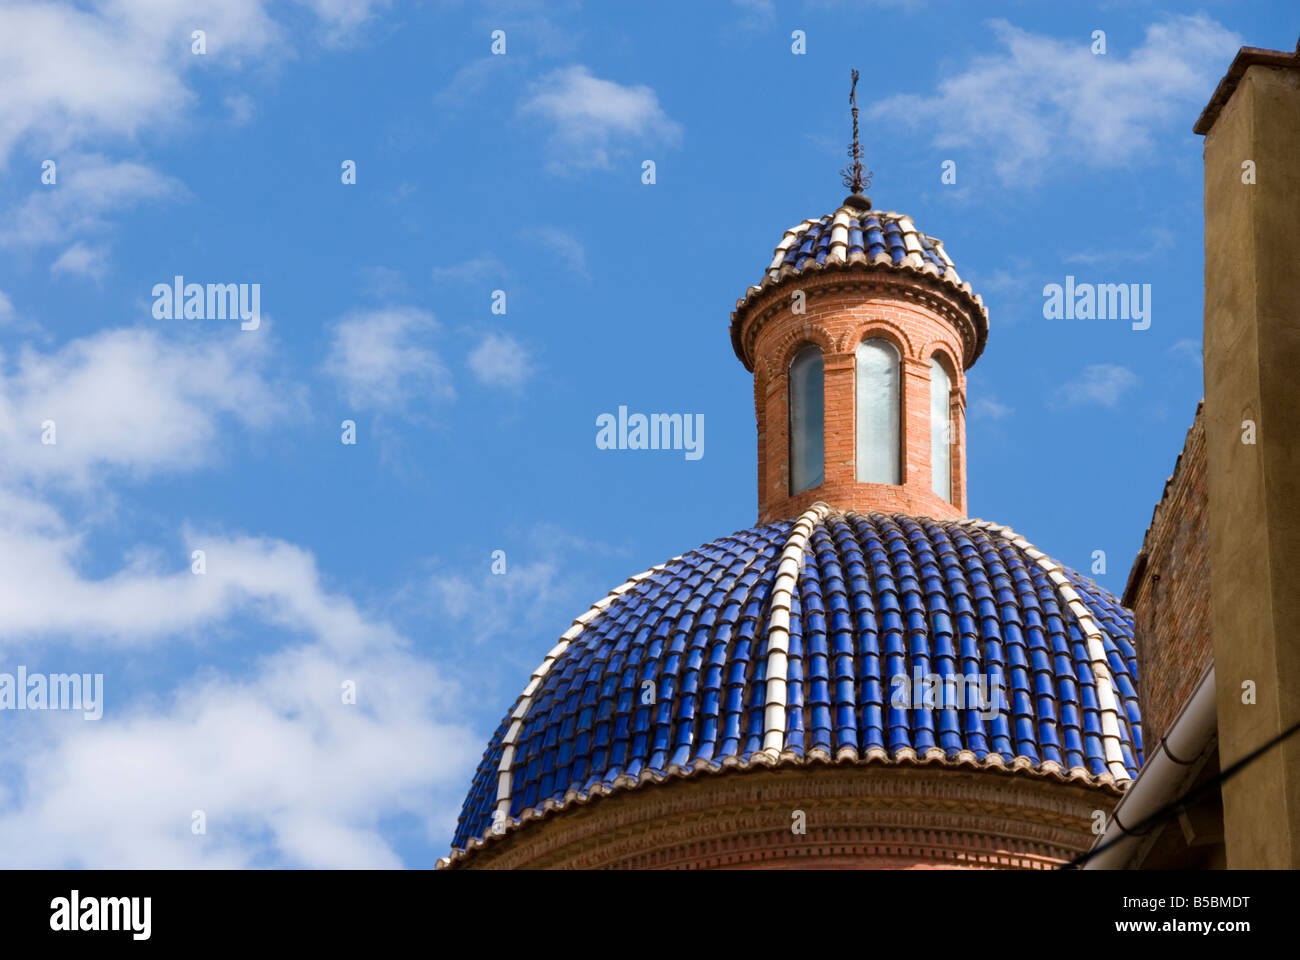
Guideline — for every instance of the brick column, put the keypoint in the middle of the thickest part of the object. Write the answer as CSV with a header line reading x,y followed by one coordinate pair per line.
x,y
957,414
841,403
775,469
916,423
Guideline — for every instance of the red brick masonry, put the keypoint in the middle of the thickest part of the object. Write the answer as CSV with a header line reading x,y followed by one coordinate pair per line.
x,y
1169,595
840,311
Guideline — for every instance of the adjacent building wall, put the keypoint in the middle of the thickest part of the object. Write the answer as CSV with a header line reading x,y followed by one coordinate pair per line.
x,y
1168,596
1252,444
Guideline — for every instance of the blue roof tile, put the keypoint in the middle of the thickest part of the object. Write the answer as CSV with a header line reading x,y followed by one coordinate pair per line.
x,y
672,672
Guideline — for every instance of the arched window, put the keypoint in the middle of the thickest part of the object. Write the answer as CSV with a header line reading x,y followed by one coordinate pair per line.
x,y
940,429
879,413
807,461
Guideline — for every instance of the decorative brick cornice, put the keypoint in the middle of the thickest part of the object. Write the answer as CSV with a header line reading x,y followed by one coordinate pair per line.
x,y
879,816
1102,787
964,311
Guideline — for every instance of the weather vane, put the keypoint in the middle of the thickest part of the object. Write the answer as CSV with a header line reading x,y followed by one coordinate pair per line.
x,y
853,177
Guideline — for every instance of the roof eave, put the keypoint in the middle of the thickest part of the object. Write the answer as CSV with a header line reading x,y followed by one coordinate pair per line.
x,y
1246,57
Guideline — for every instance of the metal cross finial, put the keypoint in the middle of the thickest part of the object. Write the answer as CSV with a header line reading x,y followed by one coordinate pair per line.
x,y
853,177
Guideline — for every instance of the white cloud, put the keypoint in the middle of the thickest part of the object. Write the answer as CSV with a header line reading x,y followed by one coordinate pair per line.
x,y
1042,101
543,588
565,246
384,283
44,593
382,360
89,188
501,361
593,121
483,267
283,769
112,68
14,323
108,71
1189,350
470,80
758,14
241,107
1161,240
81,260
131,400
341,20
1002,280
1100,384
488,606
985,407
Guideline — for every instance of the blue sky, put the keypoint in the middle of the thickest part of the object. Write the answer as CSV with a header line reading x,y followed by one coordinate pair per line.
x,y
370,562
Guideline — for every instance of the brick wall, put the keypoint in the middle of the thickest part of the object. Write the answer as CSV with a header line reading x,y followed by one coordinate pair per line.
x,y
1169,596
837,316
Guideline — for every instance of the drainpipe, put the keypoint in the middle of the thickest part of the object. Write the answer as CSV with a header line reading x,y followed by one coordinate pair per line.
x,y
1162,779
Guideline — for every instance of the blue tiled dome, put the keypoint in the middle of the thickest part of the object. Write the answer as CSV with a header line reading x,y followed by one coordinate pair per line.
x,y
856,239
777,645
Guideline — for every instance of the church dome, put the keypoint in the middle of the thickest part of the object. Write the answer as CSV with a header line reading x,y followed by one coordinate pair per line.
x,y
940,692
808,642
859,239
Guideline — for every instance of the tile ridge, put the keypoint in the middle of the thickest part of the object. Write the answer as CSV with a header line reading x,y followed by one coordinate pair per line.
x,y
778,627
505,768
1107,698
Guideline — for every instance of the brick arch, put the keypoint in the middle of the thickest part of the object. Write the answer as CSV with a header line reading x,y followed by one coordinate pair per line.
x,y
778,356
878,328
945,349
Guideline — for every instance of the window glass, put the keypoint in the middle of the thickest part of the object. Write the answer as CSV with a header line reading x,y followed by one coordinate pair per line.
x,y
940,429
807,465
879,456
